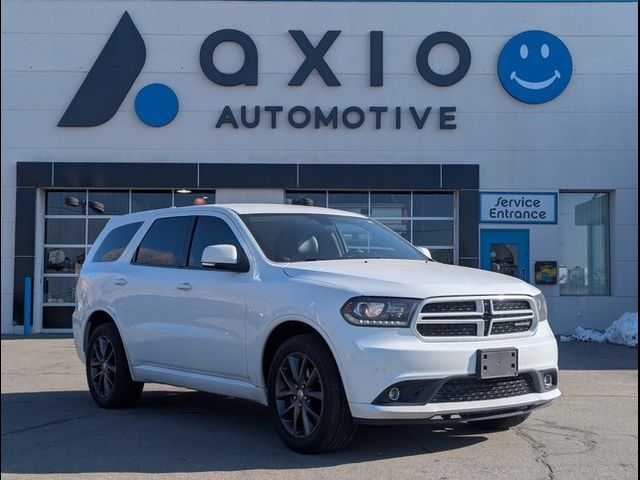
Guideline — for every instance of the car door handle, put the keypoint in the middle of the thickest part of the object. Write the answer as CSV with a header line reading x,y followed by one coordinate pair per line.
x,y
120,281
184,286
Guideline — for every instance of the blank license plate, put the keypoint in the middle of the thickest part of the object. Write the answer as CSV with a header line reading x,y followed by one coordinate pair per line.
x,y
496,363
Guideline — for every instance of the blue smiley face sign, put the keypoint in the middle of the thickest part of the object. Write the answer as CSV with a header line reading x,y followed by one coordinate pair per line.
x,y
535,66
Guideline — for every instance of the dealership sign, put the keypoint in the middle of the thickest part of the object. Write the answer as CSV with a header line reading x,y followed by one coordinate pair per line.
x,y
122,58
510,207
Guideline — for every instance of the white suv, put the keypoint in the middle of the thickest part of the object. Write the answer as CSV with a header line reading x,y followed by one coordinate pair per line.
x,y
327,317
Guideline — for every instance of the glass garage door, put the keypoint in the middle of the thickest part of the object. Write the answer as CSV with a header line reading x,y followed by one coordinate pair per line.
x,y
73,220
426,219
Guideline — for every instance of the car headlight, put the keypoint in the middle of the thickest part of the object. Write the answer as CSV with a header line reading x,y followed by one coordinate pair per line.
x,y
541,305
379,311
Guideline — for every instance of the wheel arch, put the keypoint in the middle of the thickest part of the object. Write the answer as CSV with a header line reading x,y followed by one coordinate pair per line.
x,y
100,317
289,328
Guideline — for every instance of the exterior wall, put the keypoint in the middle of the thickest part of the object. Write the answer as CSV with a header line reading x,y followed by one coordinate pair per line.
x,y
585,139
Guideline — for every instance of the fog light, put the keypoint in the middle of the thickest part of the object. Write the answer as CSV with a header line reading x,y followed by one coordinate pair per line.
x,y
394,394
548,381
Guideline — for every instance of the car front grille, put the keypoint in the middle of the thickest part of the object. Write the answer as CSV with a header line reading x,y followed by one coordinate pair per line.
x,y
448,329
473,389
517,326
475,317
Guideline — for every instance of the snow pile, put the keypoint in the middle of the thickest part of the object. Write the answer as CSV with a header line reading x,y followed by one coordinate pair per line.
x,y
624,331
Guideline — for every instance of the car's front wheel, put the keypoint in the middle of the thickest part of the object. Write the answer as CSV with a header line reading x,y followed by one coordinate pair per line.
x,y
107,370
306,397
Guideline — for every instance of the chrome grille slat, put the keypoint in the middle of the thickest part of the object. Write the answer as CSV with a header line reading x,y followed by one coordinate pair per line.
x,y
451,317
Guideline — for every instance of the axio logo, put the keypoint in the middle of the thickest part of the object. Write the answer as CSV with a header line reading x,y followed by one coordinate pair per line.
x,y
110,79
535,66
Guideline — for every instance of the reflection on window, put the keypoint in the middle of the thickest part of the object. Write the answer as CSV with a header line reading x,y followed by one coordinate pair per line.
x,y
314,199
60,289
150,200
164,242
63,260
112,202
66,203
187,198
433,232
584,244
390,205
64,231
356,202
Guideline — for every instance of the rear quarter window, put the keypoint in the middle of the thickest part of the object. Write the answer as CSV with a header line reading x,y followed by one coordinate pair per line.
x,y
115,242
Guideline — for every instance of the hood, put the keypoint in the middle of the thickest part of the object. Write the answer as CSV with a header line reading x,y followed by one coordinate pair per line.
x,y
407,278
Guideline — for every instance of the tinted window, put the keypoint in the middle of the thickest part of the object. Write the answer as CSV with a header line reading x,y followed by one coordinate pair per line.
x,y
164,242
115,242
210,231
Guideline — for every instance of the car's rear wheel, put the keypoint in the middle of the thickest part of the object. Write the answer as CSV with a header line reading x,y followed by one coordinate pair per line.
x,y
499,423
107,370
306,397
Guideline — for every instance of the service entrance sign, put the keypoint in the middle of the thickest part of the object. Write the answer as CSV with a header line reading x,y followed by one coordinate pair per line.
x,y
512,207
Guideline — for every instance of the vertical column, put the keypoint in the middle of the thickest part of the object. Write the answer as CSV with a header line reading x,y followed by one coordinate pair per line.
x,y
24,256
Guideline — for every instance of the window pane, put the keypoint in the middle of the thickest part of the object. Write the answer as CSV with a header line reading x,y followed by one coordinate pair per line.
x,y
66,203
584,244
108,203
60,289
433,204
433,233
401,227
442,255
319,199
115,242
196,197
141,201
390,204
57,317
64,231
63,260
210,231
164,242
95,227
357,202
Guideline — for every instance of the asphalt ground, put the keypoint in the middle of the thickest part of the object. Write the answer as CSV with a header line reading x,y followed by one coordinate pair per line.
x,y
50,426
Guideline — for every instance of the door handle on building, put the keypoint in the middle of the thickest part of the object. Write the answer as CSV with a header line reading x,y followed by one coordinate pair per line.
x,y
120,281
184,286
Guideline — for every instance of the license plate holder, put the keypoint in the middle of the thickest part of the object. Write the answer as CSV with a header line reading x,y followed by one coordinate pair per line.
x,y
497,363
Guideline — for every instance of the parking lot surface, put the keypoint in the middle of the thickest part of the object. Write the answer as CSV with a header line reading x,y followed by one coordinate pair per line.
x,y
51,426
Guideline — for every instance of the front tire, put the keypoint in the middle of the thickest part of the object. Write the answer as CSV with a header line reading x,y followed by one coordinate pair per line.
x,y
306,397
499,423
107,370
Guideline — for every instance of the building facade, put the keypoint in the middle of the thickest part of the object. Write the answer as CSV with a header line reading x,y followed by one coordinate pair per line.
x,y
501,135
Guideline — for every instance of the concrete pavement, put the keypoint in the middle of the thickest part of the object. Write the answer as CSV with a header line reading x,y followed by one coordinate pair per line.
x,y
51,426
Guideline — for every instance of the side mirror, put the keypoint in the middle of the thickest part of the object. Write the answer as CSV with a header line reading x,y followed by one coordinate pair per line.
x,y
219,256
426,252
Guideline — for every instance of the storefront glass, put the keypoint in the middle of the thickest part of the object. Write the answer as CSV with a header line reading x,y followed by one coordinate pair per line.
x,y
584,244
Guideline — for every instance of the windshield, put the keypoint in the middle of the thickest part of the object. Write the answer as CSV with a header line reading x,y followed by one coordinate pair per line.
x,y
285,237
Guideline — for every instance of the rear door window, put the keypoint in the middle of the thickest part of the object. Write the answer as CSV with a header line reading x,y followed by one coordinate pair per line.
x,y
115,242
210,231
164,244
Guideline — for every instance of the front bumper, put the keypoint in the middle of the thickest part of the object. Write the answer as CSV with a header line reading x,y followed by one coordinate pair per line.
x,y
459,411
379,358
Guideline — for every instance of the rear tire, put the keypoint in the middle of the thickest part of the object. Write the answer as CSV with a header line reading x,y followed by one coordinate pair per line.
x,y
499,423
306,397
107,370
